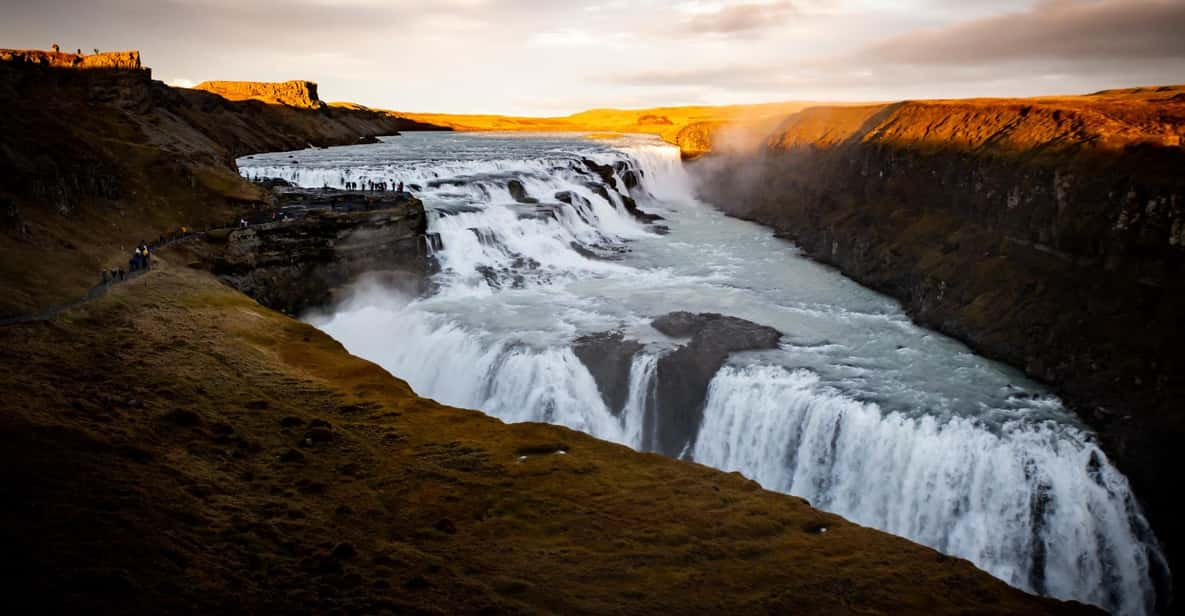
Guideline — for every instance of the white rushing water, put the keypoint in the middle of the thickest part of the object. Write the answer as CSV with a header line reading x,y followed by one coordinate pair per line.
x,y
860,411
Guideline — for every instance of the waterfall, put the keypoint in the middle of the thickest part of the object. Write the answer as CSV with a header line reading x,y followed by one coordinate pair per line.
x,y
1036,504
860,426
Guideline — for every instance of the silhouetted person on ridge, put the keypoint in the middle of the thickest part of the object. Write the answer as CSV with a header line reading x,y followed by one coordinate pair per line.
x,y
401,187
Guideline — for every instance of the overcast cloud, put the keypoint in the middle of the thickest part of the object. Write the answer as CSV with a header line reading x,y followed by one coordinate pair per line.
x,y
552,56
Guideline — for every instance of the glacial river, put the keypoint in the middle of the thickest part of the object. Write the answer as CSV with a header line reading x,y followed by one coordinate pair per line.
x,y
859,411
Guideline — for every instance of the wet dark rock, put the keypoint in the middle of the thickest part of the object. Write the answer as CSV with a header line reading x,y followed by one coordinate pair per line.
x,y
631,206
608,357
608,176
630,179
684,374
445,526
570,198
519,192
368,139
291,422
599,190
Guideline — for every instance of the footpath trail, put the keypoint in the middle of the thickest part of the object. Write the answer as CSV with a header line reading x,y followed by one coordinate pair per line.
x,y
304,200
95,292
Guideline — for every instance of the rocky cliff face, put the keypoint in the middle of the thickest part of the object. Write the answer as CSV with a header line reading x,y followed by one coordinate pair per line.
x,y
295,265
1046,233
108,60
302,94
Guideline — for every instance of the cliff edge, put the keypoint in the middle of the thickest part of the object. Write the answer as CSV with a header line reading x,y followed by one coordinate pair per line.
x,y
300,94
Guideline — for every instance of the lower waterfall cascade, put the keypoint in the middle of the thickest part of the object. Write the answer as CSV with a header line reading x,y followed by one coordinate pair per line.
x,y
858,410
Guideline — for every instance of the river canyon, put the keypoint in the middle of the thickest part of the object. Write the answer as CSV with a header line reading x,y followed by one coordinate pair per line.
x,y
578,280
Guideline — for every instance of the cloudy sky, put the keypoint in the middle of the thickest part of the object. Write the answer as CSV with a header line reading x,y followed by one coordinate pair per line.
x,y
559,56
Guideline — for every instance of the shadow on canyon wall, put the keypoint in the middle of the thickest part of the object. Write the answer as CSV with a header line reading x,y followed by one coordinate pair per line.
x,y
1047,233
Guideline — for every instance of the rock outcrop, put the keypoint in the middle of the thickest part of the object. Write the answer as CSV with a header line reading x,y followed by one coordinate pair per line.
x,y
300,94
295,265
683,375
1047,233
106,60
608,357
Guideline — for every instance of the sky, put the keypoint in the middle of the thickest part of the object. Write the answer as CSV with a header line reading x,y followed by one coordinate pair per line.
x,y
553,57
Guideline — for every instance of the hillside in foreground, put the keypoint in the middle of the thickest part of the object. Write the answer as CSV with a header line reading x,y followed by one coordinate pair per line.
x,y
176,447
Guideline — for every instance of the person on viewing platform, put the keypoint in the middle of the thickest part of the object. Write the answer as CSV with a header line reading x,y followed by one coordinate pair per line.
x,y
400,187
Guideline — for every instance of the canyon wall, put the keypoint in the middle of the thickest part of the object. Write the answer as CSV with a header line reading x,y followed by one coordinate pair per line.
x,y
292,266
302,94
1047,233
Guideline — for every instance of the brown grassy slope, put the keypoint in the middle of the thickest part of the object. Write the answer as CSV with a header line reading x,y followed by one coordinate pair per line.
x,y
175,447
94,161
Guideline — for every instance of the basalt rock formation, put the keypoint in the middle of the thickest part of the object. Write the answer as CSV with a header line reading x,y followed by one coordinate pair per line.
x,y
683,375
1047,233
300,94
295,265
608,357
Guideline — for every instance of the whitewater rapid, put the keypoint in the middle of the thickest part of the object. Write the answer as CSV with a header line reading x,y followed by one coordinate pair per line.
x,y
859,411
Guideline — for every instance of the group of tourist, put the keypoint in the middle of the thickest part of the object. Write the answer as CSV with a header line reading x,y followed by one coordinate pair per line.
x,y
370,186
141,258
